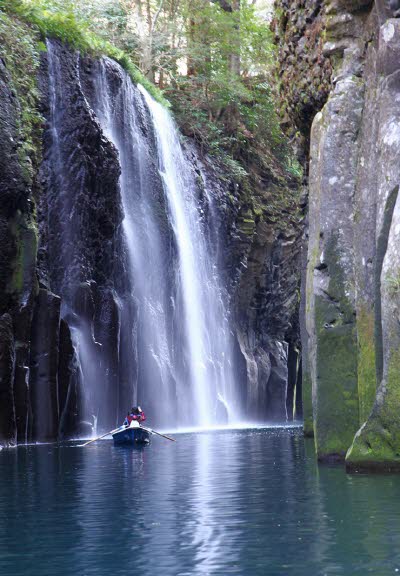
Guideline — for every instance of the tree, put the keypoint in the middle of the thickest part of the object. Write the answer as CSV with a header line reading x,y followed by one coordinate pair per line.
x,y
213,58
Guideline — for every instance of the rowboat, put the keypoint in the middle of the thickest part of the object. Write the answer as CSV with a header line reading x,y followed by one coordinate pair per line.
x,y
132,435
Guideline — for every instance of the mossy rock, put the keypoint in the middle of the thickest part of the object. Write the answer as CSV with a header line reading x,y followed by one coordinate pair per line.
x,y
377,444
23,266
335,394
336,410
366,361
308,423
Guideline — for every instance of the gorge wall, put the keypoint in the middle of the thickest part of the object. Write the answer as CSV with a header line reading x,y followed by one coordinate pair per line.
x,y
349,51
63,259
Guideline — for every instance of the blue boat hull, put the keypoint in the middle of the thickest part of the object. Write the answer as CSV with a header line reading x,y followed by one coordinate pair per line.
x,y
131,437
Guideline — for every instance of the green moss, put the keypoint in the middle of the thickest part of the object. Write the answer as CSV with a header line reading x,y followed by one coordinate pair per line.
x,y
366,361
247,226
258,211
336,400
308,423
19,50
392,282
377,444
66,27
336,405
41,46
23,228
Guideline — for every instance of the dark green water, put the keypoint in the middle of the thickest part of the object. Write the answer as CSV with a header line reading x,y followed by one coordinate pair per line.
x,y
251,503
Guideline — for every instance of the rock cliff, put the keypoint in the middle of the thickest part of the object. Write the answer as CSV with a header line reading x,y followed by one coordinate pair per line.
x,y
351,294
61,264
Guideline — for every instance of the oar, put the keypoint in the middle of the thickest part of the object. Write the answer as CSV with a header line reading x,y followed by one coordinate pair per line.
x,y
100,437
158,433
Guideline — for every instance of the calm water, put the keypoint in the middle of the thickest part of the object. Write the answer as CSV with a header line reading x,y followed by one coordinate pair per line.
x,y
250,503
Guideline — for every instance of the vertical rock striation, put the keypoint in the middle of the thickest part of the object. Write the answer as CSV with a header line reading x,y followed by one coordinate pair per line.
x,y
46,276
18,239
377,444
351,294
79,218
330,290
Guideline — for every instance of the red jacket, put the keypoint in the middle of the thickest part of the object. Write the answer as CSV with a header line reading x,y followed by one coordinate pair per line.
x,y
139,417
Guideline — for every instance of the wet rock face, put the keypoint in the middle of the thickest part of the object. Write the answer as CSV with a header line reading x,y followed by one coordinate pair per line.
x,y
39,375
80,174
9,173
17,265
351,300
265,309
80,216
44,360
13,192
8,432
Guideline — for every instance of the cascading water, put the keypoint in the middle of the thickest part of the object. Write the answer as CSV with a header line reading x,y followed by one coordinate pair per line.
x,y
204,316
75,231
145,236
147,321
184,347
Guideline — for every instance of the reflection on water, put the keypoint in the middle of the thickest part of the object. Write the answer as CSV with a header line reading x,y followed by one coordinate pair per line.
x,y
240,502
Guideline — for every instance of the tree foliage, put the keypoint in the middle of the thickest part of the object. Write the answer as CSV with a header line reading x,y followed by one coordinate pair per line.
x,y
212,59
47,17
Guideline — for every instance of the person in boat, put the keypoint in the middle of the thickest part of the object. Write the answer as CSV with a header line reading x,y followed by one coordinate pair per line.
x,y
128,419
138,414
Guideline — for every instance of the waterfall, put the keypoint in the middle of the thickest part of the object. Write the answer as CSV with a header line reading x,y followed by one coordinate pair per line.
x,y
78,246
204,316
145,237
184,341
147,310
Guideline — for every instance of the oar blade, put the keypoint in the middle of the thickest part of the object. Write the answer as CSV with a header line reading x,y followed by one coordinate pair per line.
x,y
100,437
158,434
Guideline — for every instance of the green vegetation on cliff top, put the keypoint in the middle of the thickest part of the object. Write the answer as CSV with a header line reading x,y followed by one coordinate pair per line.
x,y
213,61
19,49
218,82
53,23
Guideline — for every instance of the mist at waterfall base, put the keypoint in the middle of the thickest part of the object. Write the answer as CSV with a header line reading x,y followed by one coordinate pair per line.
x,y
246,503
175,343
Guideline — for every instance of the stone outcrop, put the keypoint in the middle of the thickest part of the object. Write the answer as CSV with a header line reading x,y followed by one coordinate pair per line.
x,y
266,307
304,70
330,288
351,307
377,444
